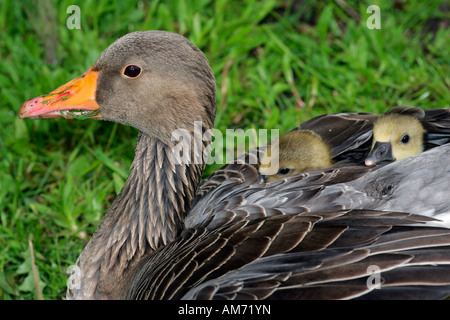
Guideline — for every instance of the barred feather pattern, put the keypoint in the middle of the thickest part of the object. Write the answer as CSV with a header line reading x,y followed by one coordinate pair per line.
x,y
309,255
147,214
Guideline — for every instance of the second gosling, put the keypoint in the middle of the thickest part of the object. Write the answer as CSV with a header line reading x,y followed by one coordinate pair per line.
x,y
298,151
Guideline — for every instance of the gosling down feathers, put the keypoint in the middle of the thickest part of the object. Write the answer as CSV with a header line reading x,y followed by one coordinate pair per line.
x,y
297,151
397,135
310,236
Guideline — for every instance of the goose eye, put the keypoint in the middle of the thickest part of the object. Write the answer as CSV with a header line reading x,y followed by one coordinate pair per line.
x,y
132,71
284,171
405,139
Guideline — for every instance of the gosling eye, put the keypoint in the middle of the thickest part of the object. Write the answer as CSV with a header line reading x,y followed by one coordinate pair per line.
x,y
132,71
284,171
405,139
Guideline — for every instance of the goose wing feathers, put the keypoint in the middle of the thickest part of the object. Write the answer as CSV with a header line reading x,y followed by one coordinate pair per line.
x,y
326,255
310,236
437,125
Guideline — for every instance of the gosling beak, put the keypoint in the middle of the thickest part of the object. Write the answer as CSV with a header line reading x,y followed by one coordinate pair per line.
x,y
73,100
262,178
381,151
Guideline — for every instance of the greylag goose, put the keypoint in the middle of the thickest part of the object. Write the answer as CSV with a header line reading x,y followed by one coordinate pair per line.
x,y
298,151
323,235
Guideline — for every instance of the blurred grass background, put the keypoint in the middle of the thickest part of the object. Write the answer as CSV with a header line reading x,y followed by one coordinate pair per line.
x,y
277,64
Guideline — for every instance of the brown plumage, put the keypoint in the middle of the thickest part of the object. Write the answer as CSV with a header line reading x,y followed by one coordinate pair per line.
x,y
313,235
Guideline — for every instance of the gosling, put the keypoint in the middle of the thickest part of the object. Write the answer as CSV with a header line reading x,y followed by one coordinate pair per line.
x,y
298,151
397,135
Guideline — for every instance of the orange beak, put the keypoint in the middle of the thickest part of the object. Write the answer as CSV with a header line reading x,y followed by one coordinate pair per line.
x,y
74,100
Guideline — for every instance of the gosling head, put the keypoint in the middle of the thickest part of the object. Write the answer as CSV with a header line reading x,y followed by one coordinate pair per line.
x,y
298,151
397,135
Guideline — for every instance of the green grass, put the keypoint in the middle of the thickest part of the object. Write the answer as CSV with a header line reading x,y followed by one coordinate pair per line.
x,y
277,64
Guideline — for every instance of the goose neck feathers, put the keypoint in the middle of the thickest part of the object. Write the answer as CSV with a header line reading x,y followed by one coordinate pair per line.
x,y
148,213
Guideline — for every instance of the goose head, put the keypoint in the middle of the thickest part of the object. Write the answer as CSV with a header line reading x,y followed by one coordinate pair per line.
x,y
149,80
298,151
396,135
